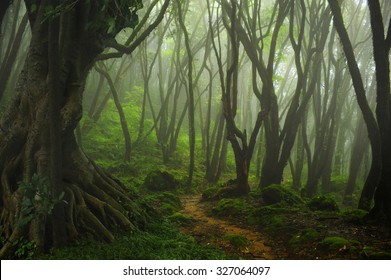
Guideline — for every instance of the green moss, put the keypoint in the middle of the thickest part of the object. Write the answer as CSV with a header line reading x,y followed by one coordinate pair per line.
x,y
166,202
160,181
355,214
323,203
372,253
210,192
305,236
231,207
180,218
275,223
237,241
274,194
336,243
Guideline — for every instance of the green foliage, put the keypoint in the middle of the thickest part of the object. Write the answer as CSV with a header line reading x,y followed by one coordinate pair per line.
x,y
237,241
161,241
24,249
37,200
323,203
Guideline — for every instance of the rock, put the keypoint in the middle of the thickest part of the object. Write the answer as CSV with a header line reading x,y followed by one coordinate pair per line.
x,y
161,181
277,194
322,203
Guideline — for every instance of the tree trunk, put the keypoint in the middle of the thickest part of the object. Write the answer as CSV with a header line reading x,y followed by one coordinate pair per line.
x,y
33,142
122,117
381,51
372,180
357,155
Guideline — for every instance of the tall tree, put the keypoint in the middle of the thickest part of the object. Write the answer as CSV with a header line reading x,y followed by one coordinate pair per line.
x,y
379,128
37,131
381,51
369,118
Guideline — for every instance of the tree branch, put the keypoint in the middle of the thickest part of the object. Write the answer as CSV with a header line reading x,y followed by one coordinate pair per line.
x,y
133,43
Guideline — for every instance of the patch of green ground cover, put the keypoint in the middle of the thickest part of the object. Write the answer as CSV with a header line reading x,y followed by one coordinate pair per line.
x,y
166,202
210,192
232,207
372,253
354,215
323,203
336,243
180,219
237,241
160,241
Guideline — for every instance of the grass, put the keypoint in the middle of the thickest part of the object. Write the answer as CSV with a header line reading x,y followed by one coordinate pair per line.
x,y
161,241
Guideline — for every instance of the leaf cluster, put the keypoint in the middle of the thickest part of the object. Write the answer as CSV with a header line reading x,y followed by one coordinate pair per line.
x,y
38,200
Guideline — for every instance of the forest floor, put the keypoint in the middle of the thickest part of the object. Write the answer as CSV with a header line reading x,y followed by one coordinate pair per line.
x,y
303,235
220,232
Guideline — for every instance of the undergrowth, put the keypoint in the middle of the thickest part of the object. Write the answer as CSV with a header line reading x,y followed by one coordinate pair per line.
x,y
160,241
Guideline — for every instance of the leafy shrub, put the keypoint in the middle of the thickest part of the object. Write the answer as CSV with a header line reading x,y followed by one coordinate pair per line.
x,y
24,249
37,201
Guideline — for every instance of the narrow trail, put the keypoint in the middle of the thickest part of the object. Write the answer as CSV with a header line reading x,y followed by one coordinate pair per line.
x,y
211,230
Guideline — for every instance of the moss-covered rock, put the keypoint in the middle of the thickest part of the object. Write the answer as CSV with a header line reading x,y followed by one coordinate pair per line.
x,y
323,203
160,181
274,194
210,193
305,236
229,189
230,207
336,243
275,223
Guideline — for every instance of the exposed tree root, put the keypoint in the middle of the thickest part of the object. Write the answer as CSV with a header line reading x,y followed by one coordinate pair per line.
x,y
95,205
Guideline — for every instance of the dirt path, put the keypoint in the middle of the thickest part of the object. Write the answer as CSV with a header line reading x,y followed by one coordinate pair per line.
x,y
211,230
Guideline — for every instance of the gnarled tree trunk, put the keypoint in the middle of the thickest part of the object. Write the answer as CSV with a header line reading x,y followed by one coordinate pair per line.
x,y
48,100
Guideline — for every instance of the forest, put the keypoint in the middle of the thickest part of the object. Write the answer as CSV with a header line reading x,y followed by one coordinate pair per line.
x,y
202,129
